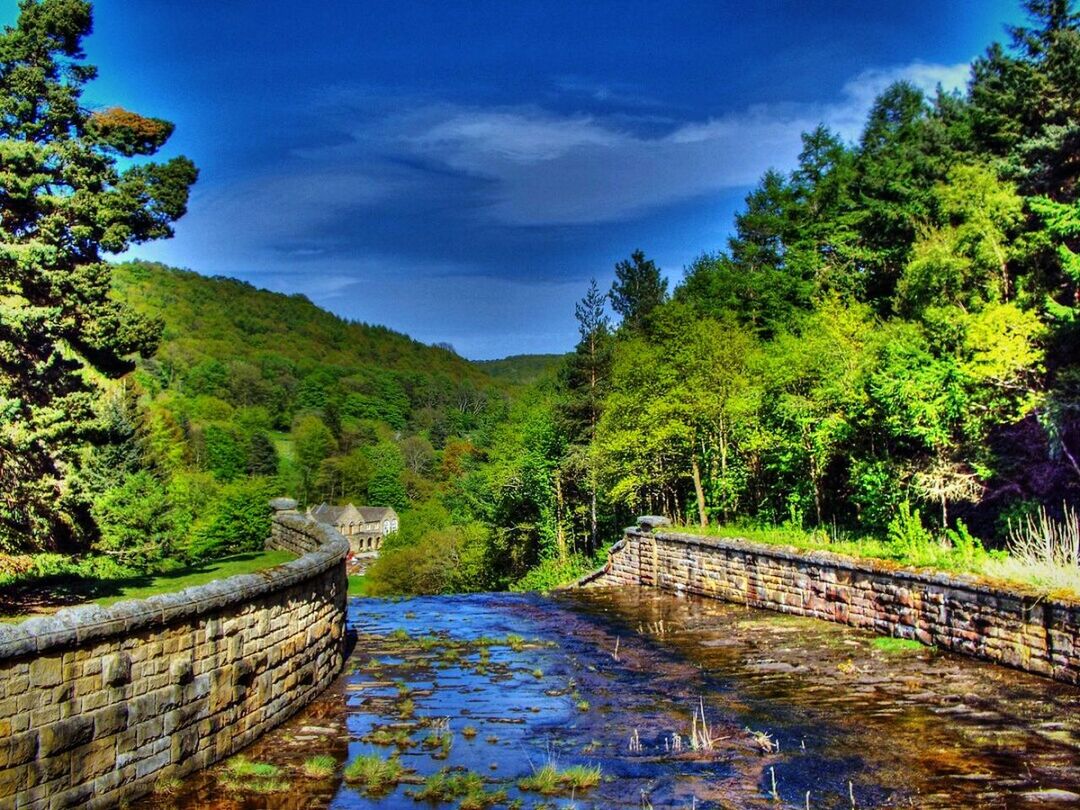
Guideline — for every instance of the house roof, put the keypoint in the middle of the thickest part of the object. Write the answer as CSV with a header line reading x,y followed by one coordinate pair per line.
x,y
324,513
372,514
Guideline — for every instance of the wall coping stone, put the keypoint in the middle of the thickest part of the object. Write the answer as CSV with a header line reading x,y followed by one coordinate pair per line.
x,y
75,625
871,565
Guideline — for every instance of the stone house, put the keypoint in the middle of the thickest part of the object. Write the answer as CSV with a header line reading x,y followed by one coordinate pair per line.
x,y
363,526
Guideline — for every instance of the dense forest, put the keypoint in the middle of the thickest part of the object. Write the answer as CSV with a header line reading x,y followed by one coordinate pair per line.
x,y
890,334
887,346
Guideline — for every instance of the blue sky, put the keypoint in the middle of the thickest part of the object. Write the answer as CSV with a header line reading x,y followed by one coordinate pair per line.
x,y
458,171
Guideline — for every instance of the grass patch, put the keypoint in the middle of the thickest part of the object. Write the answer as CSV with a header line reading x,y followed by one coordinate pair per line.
x,y
358,585
190,576
243,768
448,785
894,646
378,776
242,774
443,741
320,767
551,781
386,736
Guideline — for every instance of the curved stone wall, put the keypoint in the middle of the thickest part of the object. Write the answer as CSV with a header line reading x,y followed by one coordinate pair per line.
x,y
98,704
1003,624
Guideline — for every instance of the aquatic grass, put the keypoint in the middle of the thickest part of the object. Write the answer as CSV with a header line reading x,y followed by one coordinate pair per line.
x,y
242,767
468,732
319,767
701,738
764,740
548,780
439,739
428,642
449,785
378,775
386,736
241,774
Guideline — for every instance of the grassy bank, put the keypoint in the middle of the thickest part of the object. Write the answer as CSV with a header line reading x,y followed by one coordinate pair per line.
x,y
37,596
910,544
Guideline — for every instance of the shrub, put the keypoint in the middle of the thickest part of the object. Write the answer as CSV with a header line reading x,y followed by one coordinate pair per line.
x,y
909,540
553,572
135,521
237,520
448,560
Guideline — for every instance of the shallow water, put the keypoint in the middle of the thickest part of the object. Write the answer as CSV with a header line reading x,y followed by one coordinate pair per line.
x,y
574,678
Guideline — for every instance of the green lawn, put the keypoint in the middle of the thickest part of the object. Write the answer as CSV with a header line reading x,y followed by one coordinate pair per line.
x,y
186,577
358,585
38,597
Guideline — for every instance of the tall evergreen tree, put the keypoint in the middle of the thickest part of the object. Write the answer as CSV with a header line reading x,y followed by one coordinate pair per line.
x,y
63,203
585,378
638,289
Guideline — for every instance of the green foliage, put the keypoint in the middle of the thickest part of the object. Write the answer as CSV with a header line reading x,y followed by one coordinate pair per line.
x,y
236,520
67,200
135,521
554,573
449,560
224,452
908,538
638,289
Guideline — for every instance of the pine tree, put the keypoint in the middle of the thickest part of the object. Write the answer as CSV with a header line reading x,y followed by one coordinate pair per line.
x,y
63,203
262,455
585,380
638,290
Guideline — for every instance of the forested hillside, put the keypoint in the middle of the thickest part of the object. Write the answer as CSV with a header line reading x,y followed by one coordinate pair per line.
x,y
252,394
522,369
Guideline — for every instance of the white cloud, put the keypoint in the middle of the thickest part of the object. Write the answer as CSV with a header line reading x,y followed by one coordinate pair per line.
x,y
552,169
444,164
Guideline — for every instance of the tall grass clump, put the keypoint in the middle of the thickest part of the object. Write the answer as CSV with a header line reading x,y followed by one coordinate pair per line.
x,y
376,774
1045,550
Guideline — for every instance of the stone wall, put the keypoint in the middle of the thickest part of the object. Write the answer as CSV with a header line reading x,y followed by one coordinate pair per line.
x,y
98,704
1003,624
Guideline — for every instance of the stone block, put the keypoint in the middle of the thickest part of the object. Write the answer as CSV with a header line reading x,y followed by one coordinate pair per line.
x,y
64,735
55,769
18,749
181,671
92,761
78,796
116,669
47,671
13,780
111,720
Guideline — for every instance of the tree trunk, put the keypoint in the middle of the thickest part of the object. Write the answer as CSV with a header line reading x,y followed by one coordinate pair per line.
x,y
702,519
592,518
560,536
